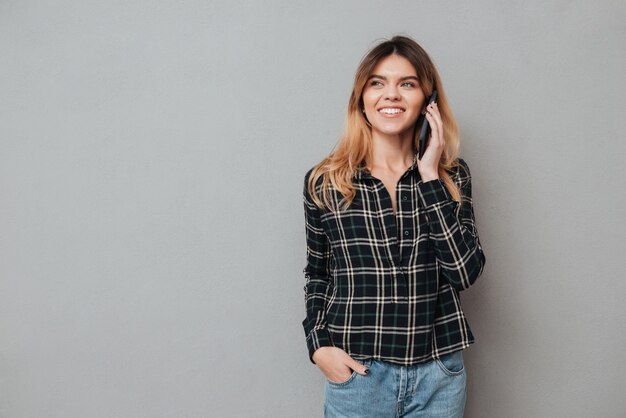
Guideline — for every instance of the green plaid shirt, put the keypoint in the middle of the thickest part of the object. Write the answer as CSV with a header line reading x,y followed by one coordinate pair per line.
x,y
386,286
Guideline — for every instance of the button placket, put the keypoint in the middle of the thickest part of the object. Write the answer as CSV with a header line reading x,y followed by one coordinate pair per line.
x,y
404,223
390,229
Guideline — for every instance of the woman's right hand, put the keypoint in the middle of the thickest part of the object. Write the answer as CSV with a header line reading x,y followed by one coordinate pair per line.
x,y
336,364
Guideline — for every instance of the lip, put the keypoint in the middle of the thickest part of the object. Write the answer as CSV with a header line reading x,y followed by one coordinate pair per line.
x,y
391,115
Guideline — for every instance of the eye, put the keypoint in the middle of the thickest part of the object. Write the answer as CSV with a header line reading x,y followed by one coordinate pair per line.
x,y
375,83
408,84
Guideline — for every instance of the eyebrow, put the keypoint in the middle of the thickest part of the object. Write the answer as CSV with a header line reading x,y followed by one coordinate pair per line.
x,y
408,77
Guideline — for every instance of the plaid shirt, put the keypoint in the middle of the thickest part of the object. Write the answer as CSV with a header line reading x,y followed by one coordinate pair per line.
x,y
387,285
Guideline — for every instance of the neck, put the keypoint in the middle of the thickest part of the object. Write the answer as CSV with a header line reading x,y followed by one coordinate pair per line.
x,y
393,152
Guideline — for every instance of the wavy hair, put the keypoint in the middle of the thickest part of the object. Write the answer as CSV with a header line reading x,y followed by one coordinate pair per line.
x,y
354,149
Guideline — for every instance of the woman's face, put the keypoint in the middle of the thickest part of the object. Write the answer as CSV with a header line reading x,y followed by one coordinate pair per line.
x,y
392,98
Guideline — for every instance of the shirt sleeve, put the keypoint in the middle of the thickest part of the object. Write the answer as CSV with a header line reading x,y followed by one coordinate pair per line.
x,y
318,288
453,230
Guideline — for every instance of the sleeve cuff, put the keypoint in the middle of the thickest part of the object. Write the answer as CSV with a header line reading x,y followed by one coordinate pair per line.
x,y
316,339
432,192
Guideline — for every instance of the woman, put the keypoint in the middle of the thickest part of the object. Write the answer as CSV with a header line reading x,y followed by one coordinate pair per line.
x,y
391,240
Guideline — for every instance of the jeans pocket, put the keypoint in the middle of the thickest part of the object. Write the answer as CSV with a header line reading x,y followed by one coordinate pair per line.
x,y
345,382
354,374
452,363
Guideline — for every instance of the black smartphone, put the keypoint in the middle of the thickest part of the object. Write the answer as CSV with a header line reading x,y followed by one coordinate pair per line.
x,y
424,128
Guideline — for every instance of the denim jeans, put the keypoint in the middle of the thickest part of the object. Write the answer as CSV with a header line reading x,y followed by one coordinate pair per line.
x,y
433,389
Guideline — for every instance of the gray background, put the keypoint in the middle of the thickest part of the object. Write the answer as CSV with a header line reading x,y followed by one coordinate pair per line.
x,y
151,226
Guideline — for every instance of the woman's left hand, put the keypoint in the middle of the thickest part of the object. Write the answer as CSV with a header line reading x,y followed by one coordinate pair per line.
x,y
429,164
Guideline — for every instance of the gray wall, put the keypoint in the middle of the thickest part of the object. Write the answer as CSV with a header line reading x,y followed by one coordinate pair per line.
x,y
151,227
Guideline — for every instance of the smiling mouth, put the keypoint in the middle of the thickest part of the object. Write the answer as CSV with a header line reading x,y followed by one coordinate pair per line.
x,y
391,110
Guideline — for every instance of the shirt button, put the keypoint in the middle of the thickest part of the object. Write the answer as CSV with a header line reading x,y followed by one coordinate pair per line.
x,y
406,233
405,198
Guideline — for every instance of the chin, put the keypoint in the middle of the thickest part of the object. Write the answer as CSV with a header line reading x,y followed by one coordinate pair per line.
x,y
393,131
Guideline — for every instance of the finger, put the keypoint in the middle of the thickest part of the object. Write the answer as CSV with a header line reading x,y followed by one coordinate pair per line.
x,y
358,367
438,119
436,115
436,128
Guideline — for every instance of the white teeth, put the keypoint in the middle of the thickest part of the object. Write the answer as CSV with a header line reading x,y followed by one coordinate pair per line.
x,y
390,111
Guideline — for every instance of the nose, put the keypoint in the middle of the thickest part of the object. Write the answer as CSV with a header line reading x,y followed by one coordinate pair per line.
x,y
392,92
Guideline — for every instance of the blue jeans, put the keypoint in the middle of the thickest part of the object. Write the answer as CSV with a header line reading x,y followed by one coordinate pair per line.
x,y
433,389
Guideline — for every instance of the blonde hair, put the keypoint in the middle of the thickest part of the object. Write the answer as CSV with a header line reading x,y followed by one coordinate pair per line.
x,y
354,149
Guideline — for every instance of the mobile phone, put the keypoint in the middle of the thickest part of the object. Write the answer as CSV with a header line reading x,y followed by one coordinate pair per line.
x,y
425,128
